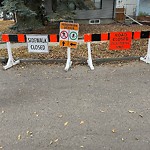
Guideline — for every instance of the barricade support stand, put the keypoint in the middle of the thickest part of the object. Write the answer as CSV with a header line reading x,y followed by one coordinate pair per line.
x,y
147,57
69,62
89,61
11,61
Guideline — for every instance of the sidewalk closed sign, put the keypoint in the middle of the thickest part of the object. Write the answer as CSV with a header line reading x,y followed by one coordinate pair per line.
x,y
37,43
120,40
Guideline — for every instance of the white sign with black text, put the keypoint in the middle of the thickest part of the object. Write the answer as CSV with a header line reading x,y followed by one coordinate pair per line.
x,y
37,43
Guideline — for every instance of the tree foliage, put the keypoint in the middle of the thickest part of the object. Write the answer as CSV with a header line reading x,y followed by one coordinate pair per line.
x,y
37,12
27,12
66,9
18,6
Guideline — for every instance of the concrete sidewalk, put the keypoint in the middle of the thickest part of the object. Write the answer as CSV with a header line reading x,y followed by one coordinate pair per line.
x,y
42,107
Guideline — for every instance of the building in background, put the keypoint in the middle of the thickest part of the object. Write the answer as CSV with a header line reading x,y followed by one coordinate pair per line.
x,y
103,9
129,6
134,7
144,7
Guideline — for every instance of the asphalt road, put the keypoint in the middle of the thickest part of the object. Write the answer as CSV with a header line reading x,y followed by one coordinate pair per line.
x,y
42,107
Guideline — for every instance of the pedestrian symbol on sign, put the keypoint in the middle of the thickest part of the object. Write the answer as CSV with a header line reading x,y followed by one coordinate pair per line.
x,y
73,35
64,34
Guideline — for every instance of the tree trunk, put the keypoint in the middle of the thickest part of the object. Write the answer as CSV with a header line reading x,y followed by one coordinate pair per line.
x,y
48,6
4,15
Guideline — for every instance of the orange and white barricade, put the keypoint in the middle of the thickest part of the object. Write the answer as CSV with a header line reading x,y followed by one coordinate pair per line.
x,y
20,38
124,39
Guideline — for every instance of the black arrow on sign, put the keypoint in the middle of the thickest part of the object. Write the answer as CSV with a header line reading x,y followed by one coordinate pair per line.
x,y
72,44
63,43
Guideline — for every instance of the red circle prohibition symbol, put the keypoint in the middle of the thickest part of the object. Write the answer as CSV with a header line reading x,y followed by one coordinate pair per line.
x,y
64,34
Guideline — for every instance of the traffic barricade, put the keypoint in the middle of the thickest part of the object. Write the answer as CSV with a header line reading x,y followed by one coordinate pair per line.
x,y
22,38
68,37
118,41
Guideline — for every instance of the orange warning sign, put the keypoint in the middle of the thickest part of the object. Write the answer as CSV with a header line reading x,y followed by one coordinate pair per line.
x,y
120,40
68,35
63,43
72,44
69,26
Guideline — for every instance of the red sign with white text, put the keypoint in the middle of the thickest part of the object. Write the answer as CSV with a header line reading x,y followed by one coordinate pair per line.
x,y
120,40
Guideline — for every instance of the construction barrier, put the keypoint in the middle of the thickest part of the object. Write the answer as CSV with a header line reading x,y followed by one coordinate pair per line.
x,y
20,38
88,38
125,40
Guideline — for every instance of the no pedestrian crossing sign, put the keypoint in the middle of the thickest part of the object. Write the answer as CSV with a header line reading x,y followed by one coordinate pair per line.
x,y
68,34
37,43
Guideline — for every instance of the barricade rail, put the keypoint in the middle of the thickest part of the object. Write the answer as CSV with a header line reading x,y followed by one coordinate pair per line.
x,y
21,38
106,36
88,38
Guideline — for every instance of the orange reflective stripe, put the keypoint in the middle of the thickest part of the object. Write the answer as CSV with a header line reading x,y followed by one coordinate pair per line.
x,y
137,35
21,38
5,38
87,37
53,37
104,36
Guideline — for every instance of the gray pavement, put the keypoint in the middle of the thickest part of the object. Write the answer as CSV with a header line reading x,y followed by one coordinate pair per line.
x,y
42,107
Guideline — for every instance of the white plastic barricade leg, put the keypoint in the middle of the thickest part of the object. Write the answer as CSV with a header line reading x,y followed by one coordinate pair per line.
x,y
89,61
69,62
11,61
147,57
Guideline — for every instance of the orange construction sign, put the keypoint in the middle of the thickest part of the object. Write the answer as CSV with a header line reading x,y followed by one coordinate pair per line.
x,y
69,26
63,43
120,40
68,35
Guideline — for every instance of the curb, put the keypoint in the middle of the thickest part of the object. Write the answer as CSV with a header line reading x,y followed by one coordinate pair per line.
x,y
79,61
2,42
104,60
